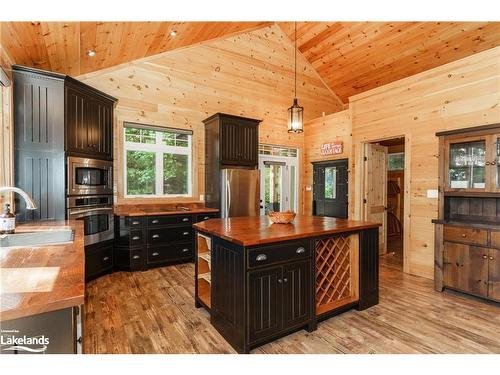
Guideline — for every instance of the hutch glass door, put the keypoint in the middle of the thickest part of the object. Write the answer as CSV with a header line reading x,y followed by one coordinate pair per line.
x,y
466,167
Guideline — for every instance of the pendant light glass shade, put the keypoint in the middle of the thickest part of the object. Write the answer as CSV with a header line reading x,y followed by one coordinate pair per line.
x,y
295,118
295,112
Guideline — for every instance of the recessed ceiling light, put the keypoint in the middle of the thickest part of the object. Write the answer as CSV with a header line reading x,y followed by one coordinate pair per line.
x,y
91,53
173,33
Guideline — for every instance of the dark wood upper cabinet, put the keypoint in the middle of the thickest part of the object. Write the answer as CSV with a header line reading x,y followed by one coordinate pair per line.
x,y
238,139
55,116
89,123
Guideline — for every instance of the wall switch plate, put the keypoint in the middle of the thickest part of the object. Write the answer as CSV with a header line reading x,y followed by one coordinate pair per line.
x,y
432,193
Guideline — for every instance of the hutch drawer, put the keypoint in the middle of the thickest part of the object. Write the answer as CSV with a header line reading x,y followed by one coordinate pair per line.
x,y
465,235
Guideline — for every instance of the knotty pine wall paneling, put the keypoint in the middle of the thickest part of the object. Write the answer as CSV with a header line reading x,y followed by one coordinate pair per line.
x,y
250,74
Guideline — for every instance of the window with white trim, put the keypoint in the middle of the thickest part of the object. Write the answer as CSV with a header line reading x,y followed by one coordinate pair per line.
x,y
158,161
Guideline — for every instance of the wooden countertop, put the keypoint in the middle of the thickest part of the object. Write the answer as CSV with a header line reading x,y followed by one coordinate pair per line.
x,y
251,231
155,209
51,277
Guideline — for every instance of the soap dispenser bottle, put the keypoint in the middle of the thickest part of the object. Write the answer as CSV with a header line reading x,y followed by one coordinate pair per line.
x,y
7,221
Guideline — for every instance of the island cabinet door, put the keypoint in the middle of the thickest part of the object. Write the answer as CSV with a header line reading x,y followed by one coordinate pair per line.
x,y
296,293
264,303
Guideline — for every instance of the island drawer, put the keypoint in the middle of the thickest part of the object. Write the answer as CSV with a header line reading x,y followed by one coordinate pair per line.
x,y
267,255
161,235
156,221
134,222
465,235
166,253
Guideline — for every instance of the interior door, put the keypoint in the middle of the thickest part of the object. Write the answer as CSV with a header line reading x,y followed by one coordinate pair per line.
x,y
330,188
375,190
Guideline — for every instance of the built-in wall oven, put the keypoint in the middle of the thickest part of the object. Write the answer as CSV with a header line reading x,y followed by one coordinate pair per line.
x,y
96,212
89,176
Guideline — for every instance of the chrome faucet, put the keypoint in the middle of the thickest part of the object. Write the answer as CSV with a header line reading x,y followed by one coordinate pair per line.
x,y
30,205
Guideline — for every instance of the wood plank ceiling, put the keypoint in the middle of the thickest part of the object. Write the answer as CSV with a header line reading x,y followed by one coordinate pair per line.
x,y
63,46
350,57
353,57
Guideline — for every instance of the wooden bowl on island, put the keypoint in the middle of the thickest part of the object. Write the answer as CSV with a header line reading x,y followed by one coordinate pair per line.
x,y
284,217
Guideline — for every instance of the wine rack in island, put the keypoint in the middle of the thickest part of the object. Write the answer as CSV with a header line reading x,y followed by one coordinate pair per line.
x,y
203,269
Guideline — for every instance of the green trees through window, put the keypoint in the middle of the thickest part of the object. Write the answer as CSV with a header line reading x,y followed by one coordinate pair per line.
x,y
157,162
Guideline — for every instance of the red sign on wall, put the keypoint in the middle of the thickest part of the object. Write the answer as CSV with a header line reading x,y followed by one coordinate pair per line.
x,y
332,148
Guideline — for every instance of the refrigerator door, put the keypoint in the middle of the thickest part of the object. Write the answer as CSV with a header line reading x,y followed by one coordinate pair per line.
x,y
240,192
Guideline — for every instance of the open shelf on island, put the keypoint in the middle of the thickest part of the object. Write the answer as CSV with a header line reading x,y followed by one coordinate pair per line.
x,y
204,246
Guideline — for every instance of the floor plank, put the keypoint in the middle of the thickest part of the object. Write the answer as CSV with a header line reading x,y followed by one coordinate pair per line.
x,y
153,312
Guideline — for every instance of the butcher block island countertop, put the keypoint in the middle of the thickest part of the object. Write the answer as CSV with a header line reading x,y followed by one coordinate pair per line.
x,y
258,230
261,281
42,278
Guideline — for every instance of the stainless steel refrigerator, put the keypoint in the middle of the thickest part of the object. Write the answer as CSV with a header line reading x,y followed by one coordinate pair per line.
x,y
240,192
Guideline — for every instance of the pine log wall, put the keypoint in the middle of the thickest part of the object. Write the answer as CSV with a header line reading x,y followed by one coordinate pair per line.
x,y
250,74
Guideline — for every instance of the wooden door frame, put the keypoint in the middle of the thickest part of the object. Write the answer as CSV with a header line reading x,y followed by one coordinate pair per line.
x,y
360,191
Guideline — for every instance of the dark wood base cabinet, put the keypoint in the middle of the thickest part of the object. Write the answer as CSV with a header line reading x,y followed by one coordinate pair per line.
x,y
98,260
257,294
144,242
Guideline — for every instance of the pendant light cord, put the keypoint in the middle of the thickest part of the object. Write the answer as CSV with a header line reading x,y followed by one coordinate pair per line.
x,y
295,59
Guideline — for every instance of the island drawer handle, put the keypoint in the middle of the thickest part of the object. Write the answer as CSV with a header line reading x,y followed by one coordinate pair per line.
x,y
155,254
135,238
300,250
185,233
261,257
156,236
135,222
206,218
185,250
136,257
154,222
105,259
185,219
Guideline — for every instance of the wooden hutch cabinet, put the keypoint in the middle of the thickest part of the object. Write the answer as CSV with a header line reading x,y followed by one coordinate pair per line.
x,y
467,233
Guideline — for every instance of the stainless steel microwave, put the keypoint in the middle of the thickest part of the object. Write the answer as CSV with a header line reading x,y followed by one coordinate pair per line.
x,y
89,176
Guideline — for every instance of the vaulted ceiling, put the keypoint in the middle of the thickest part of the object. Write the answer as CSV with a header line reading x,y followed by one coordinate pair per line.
x,y
350,57
353,57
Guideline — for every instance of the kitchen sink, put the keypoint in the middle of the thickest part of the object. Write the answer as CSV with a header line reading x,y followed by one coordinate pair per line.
x,y
36,238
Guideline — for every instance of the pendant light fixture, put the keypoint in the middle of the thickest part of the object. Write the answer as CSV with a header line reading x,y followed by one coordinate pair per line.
x,y
295,112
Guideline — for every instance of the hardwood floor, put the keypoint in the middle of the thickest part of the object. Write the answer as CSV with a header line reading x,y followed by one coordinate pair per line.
x,y
153,312
394,256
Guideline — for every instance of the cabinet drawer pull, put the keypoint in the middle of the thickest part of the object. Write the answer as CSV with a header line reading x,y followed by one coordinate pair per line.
x,y
105,259
285,280
154,222
155,254
491,258
493,163
464,235
206,218
185,250
185,219
485,256
487,163
135,222
185,233
156,236
261,257
135,238
136,257
300,250
280,281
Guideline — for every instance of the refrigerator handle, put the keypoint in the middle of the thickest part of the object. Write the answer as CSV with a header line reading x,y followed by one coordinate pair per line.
x,y
228,197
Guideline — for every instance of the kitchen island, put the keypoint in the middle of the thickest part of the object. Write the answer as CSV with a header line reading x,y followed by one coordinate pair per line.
x,y
261,281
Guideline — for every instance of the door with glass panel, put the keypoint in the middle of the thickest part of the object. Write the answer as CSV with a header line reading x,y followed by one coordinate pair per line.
x,y
330,188
467,164
495,163
278,179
